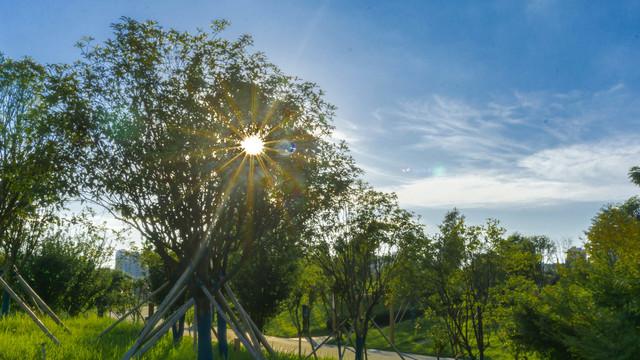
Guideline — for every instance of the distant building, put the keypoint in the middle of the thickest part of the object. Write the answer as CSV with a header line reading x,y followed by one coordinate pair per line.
x,y
129,263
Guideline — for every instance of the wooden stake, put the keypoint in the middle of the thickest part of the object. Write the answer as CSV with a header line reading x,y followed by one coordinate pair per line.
x,y
239,325
38,300
250,322
392,321
385,337
132,310
325,340
255,327
162,309
169,299
165,327
221,312
165,311
29,312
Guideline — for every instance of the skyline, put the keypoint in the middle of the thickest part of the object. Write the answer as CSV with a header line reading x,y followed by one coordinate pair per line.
x,y
525,112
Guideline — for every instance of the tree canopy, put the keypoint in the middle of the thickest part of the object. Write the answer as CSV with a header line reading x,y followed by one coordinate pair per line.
x,y
42,136
174,110
358,250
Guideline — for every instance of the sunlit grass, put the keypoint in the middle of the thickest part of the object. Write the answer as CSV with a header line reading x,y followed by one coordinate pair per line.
x,y
21,339
282,325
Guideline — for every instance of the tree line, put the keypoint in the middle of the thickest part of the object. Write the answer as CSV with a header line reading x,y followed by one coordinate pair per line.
x,y
150,126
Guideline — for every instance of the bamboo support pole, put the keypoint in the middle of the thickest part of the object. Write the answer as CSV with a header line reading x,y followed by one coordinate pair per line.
x,y
243,318
164,306
240,326
253,325
132,310
170,321
221,312
165,327
348,341
325,340
162,310
385,337
29,312
310,340
38,300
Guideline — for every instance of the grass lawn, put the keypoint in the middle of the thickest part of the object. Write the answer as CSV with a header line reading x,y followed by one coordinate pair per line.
x,y
407,340
21,338
282,324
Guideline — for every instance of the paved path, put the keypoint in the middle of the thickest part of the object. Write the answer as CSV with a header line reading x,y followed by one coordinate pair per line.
x,y
290,345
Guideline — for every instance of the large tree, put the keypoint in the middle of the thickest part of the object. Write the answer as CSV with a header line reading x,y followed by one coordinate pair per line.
x,y
202,141
41,137
358,251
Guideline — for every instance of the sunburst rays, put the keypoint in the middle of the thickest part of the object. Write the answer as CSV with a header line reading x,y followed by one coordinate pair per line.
x,y
246,140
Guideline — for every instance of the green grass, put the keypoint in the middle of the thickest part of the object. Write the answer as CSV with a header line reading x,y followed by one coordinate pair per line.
x,y
282,325
408,340
21,338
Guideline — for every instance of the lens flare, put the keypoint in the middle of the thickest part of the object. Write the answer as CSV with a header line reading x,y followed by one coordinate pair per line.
x,y
252,145
285,147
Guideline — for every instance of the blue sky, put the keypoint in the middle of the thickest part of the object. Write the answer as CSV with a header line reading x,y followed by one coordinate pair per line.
x,y
524,111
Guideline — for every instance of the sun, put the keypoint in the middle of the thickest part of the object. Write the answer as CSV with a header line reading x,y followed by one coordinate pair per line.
x,y
252,145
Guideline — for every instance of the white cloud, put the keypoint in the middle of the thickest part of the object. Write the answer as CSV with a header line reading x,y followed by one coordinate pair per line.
x,y
596,163
493,190
525,149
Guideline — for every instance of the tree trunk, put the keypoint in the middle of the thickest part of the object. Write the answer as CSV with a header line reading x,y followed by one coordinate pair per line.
x,y
480,337
6,301
360,341
203,319
177,330
223,347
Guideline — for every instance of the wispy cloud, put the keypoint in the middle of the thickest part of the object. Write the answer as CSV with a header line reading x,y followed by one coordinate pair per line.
x,y
577,173
522,149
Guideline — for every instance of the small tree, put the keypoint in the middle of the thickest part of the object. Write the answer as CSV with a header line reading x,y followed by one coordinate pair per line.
x,y
358,251
308,286
462,271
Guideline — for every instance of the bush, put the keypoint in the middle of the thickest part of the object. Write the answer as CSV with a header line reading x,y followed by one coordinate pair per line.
x,y
65,271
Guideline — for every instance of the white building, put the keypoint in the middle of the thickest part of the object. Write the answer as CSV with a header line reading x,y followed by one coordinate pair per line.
x,y
129,262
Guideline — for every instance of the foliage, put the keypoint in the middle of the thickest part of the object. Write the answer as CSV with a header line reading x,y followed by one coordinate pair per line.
x,y
634,174
66,268
358,251
470,278
172,103
173,111
41,139
282,325
593,312
266,279
462,275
